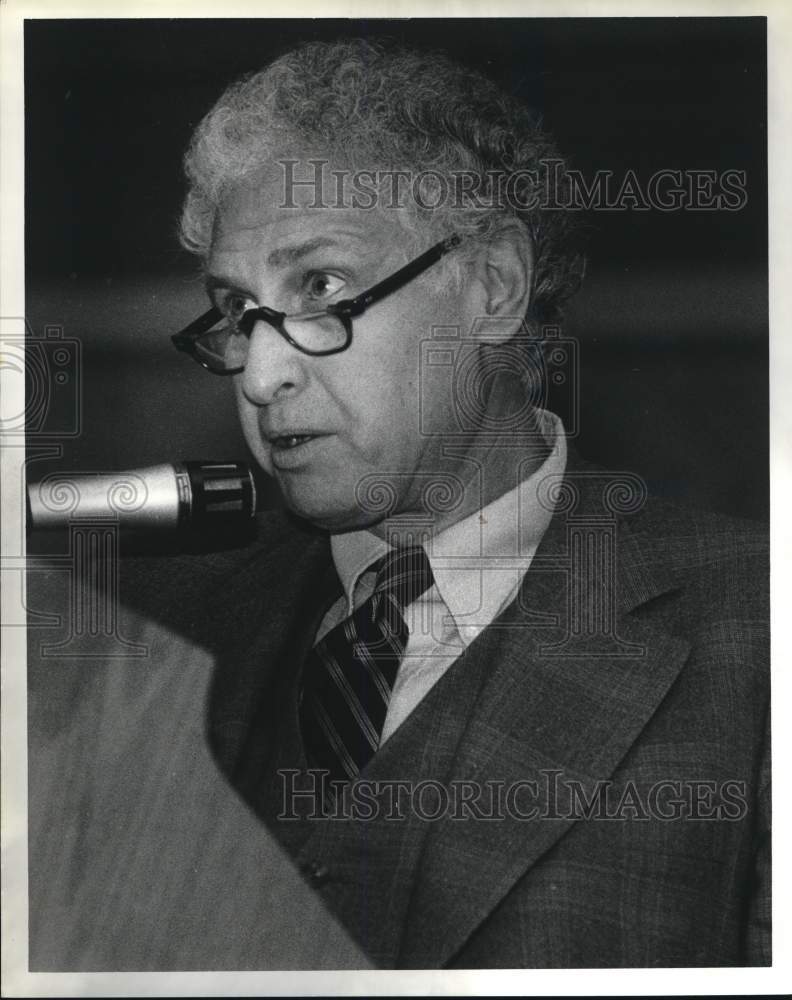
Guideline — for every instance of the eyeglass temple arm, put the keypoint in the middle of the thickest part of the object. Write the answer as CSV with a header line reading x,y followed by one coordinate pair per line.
x,y
354,307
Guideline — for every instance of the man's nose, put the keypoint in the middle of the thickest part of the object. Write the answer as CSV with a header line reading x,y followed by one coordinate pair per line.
x,y
274,368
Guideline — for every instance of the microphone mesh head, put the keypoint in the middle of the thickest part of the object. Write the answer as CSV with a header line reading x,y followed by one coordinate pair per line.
x,y
220,490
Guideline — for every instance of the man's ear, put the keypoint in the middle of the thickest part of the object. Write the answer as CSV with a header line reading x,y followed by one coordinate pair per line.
x,y
503,274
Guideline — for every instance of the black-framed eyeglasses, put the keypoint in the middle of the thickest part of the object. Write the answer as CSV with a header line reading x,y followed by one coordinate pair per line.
x,y
220,344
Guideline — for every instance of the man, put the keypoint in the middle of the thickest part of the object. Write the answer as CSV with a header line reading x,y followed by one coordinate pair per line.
x,y
498,707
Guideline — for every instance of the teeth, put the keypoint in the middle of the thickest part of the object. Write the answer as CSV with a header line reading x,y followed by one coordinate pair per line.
x,y
292,440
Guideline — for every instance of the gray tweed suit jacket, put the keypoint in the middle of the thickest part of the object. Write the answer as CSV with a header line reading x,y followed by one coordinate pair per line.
x,y
157,781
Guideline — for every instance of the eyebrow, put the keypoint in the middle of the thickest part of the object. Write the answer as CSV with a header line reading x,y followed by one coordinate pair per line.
x,y
284,256
281,257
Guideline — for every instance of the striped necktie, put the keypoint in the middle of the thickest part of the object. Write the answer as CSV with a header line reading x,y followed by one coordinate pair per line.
x,y
349,675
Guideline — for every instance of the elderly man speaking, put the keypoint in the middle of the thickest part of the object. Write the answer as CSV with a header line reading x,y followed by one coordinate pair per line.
x,y
496,705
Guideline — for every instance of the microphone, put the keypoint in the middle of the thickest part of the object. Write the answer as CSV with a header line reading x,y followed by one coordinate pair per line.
x,y
166,497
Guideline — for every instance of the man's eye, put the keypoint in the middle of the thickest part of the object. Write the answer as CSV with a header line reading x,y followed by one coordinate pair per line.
x,y
320,285
233,306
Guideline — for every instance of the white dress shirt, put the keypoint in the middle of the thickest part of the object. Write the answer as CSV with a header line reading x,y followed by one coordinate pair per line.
x,y
478,564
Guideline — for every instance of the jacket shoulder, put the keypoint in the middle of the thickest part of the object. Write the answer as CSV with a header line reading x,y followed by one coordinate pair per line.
x,y
698,547
716,578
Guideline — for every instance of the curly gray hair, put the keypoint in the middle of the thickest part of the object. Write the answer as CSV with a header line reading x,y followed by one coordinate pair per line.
x,y
365,103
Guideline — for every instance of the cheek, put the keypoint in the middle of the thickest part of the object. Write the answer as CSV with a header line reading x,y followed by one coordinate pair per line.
x,y
384,419
248,420
395,407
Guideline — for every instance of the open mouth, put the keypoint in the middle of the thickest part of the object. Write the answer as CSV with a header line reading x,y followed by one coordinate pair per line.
x,y
288,441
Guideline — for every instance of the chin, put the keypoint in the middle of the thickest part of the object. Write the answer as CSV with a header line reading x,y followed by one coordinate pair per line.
x,y
328,513
335,523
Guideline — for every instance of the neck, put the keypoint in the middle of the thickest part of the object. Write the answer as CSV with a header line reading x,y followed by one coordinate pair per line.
x,y
469,474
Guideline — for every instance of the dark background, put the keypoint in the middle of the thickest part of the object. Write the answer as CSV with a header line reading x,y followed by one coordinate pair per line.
x,y
671,320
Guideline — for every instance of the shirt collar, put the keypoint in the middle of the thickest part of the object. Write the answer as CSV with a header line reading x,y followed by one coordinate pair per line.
x,y
499,540
353,552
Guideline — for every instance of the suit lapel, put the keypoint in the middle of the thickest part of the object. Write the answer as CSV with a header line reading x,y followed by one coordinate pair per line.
x,y
552,704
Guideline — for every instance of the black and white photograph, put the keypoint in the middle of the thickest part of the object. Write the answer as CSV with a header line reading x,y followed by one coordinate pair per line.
x,y
390,499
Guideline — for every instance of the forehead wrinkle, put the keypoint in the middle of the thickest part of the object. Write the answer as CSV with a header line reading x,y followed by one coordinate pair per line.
x,y
283,256
336,238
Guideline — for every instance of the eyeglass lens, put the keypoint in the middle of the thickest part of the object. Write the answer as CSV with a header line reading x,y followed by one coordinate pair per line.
x,y
226,346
